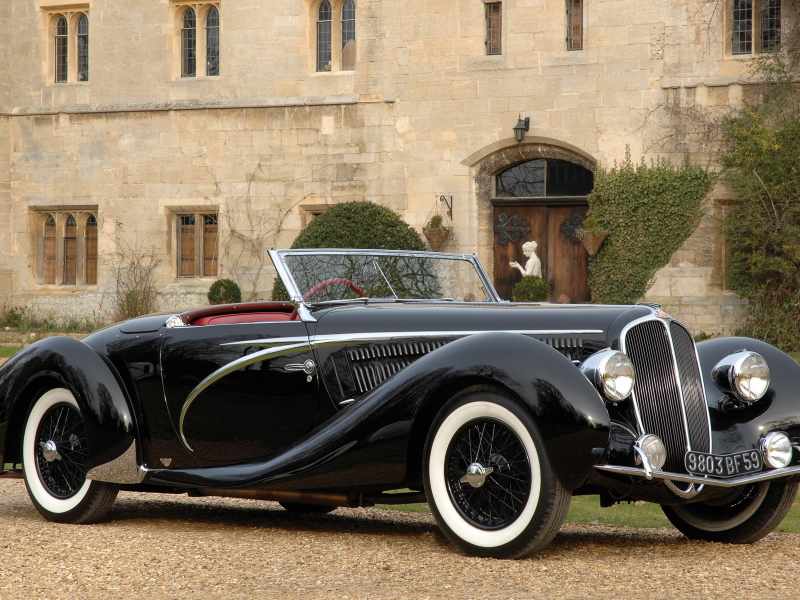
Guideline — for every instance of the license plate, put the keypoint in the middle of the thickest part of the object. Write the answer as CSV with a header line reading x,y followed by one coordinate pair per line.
x,y
723,465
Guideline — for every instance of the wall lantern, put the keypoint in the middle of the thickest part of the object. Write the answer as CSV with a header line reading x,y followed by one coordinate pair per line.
x,y
521,128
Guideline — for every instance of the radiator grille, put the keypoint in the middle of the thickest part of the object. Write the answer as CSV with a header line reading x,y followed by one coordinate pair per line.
x,y
691,387
669,405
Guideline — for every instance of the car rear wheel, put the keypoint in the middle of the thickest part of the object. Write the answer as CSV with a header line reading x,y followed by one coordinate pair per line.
x,y
54,454
488,481
744,516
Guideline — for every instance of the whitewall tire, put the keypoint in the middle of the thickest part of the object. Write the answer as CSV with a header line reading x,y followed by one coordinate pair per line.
x,y
488,479
54,452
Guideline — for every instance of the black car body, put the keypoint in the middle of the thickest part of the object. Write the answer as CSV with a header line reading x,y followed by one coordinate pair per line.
x,y
495,413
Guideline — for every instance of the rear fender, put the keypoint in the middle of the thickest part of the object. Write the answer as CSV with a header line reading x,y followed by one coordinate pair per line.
x,y
92,379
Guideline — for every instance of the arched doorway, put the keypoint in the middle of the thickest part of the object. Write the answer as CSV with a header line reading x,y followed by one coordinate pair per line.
x,y
543,200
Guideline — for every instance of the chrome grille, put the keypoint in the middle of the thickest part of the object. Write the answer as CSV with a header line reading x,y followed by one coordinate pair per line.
x,y
669,405
692,388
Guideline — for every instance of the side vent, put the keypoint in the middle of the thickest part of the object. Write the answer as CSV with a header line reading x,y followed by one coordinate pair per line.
x,y
372,365
572,348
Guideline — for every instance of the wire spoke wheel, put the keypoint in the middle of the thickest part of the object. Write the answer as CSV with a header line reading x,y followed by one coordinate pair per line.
x,y
62,428
500,496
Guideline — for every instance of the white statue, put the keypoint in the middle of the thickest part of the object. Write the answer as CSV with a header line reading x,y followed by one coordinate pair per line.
x,y
534,265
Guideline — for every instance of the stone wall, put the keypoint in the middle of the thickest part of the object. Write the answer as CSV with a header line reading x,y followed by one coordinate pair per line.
x,y
425,113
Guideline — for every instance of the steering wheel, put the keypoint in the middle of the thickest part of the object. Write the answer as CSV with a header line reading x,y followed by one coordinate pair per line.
x,y
328,282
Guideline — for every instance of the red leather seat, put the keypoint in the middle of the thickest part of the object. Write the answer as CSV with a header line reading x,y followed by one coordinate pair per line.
x,y
251,317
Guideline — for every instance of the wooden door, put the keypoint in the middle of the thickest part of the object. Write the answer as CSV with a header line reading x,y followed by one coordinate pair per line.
x,y
564,259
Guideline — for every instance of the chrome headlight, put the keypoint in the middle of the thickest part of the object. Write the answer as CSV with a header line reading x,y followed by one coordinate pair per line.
x,y
744,373
611,372
776,448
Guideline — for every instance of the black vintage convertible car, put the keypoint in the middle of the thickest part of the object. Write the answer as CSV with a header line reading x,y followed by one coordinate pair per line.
x,y
404,371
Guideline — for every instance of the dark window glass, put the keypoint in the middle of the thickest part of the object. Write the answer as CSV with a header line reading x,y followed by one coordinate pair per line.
x,y
349,36
324,36
90,249
770,25
188,44
70,250
83,48
61,50
574,24
212,42
544,178
524,180
494,28
568,179
210,230
49,250
742,31
186,246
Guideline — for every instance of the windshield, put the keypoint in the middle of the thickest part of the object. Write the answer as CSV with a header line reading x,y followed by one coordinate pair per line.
x,y
340,275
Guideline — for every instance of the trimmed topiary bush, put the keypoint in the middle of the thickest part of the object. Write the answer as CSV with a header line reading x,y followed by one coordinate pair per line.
x,y
224,291
355,225
531,289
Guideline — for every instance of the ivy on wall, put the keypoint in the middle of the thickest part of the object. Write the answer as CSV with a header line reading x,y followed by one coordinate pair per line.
x,y
648,211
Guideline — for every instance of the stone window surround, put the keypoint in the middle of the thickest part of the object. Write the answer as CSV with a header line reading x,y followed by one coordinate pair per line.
x,y
38,216
756,30
336,39
200,11
71,12
172,214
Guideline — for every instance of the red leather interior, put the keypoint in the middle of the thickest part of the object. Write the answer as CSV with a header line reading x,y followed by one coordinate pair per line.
x,y
251,317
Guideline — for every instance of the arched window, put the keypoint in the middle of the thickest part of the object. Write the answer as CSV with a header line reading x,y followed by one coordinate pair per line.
x,y
70,250
83,48
349,36
212,41
61,50
544,178
188,44
49,250
90,250
324,15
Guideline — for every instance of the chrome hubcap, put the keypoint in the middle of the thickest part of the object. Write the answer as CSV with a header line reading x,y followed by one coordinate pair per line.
x,y
50,451
476,475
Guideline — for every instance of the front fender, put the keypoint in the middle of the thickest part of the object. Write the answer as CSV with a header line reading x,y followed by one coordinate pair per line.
x,y
91,378
737,430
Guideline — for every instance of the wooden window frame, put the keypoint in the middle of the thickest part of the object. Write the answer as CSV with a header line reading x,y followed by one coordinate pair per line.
x,y
493,13
199,245
56,249
575,10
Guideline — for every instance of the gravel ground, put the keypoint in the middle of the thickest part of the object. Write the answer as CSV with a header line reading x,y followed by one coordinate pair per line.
x,y
163,546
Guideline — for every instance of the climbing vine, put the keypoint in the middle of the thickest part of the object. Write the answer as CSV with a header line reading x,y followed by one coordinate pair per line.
x,y
648,211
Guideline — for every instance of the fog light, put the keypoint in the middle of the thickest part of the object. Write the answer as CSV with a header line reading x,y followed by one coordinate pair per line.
x,y
651,446
776,450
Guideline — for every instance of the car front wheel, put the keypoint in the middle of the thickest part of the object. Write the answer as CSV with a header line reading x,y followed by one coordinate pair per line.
x,y
54,453
487,477
743,516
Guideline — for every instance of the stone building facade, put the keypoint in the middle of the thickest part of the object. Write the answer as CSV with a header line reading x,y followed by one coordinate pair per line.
x,y
136,127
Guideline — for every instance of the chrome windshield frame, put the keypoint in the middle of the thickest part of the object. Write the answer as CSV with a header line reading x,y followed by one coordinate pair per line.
x,y
285,275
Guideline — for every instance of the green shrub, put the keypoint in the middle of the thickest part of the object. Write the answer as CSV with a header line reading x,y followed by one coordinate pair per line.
x,y
435,222
355,225
224,291
531,289
648,211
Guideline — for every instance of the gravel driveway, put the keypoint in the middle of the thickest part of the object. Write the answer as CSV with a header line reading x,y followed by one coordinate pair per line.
x,y
162,546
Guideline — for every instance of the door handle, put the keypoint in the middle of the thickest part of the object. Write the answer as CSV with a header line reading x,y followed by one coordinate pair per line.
x,y
307,367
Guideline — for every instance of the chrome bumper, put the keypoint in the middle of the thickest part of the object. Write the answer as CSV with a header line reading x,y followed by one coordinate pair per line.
x,y
733,482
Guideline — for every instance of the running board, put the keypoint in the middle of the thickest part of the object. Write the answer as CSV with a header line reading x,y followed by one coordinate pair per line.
x,y
352,500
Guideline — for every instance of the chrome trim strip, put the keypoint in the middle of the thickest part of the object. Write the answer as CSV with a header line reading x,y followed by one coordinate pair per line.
x,y
230,368
123,469
323,341
763,476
